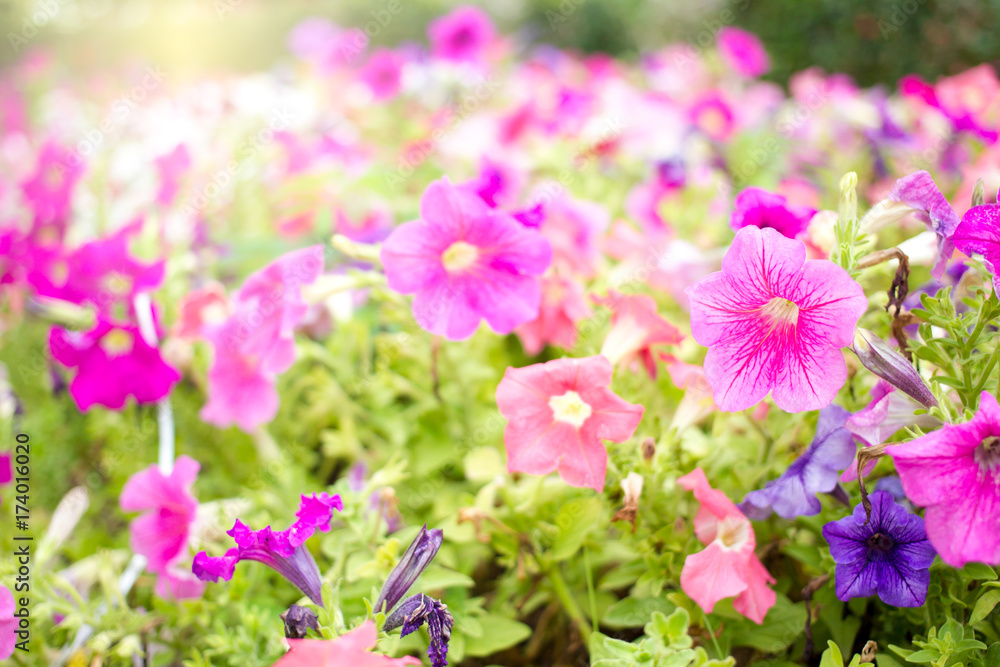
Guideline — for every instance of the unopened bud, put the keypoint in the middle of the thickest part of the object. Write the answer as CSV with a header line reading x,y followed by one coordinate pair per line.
x,y
298,620
648,449
979,193
892,367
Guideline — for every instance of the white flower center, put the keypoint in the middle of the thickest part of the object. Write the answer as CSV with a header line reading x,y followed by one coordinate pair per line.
x,y
117,342
781,312
733,532
459,256
570,408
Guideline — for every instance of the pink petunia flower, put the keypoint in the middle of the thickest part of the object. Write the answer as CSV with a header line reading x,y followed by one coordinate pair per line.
x,y
351,648
113,362
49,190
714,116
8,623
464,262
162,531
383,73
635,327
256,342
728,566
171,168
199,308
954,472
979,234
573,227
760,208
462,35
743,52
919,192
774,322
557,414
563,305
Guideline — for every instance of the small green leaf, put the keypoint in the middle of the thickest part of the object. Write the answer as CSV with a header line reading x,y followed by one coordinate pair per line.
x,y
984,605
832,657
500,633
979,572
575,520
925,656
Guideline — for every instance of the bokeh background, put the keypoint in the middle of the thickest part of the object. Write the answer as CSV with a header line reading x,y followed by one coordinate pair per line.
x,y
875,41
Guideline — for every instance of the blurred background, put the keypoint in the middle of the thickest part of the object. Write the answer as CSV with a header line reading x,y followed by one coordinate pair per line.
x,y
875,41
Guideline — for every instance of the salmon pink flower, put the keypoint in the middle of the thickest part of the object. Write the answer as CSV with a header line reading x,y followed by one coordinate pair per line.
x,y
635,328
557,414
351,648
743,52
282,550
463,35
760,208
464,262
113,362
774,322
199,308
728,566
954,472
563,305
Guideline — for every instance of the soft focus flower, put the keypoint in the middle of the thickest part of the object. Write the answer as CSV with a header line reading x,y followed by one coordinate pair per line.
x,y
205,306
955,473
171,168
411,564
573,227
351,648
325,45
712,115
563,305
794,493
635,328
774,322
464,262
282,550
257,342
743,52
113,362
421,609
49,190
557,414
919,192
728,566
760,208
463,35
168,509
892,367
979,234
697,403
888,554
383,73
8,623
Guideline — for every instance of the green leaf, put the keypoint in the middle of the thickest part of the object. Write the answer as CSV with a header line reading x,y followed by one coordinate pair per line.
x,y
925,656
634,612
784,623
979,572
984,605
500,633
832,656
436,577
575,520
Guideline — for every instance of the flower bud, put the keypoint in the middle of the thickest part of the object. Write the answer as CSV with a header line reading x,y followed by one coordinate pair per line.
x,y
298,620
416,559
891,366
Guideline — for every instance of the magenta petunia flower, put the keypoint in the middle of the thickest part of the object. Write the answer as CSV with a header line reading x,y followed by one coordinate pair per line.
x,y
383,73
919,192
464,262
714,116
774,322
162,531
256,342
8,623
727,566
979,234
49,190
171,168
760,208
955,473
462,35
113,362
557,414
743,52
282,550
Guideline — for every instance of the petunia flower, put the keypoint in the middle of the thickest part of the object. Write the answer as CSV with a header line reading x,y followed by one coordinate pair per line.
x,y
557,414
743,52
919,192
979,234
113,362
162,531
636,327
383,73
712,115
815,471
171,168
351,648
411,564
464,262
257,341
728,566
573,227
774,322
282,550
954,472
205,306
760,208
8,623
49,190
463,35
563,305
416,611
887,555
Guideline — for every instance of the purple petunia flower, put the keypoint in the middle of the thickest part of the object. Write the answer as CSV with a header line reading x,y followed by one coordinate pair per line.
x,y
888,555
416,559
417,610
283,550
794,493
760,208
919,192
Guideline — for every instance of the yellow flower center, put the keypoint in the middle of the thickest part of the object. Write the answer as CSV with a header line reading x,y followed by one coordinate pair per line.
x,y
570,408
781,312
733,532
459,256
117,342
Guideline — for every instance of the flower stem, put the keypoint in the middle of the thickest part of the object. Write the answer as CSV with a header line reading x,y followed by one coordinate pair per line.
x,y
591,593
569,604
711,633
